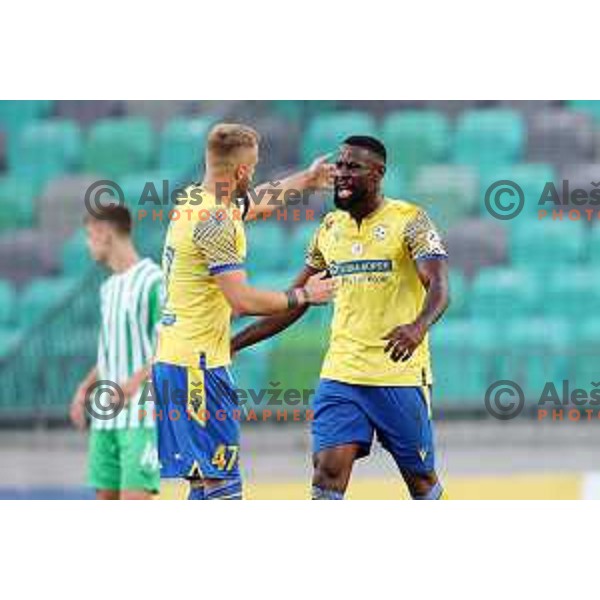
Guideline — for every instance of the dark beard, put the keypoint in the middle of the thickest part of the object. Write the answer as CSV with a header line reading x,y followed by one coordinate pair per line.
x,y
348,204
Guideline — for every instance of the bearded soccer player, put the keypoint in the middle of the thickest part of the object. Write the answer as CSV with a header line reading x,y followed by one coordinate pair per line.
x,y
393,286
203,262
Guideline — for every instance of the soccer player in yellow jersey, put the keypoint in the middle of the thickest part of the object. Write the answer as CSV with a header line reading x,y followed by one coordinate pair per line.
x,y
203,264
393,286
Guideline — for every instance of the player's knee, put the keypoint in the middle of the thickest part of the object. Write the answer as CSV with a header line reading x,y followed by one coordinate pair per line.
x,y
329,473
423,486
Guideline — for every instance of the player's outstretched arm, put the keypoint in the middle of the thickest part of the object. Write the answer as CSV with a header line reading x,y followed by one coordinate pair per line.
x,y
247,300
270,196
267,327
404,339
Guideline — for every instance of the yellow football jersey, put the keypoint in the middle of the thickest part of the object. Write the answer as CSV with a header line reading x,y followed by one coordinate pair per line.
x,y
379,289
196,315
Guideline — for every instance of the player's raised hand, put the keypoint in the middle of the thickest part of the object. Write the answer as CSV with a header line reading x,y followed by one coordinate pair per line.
x,y
404,340
319,288
77,409
322,172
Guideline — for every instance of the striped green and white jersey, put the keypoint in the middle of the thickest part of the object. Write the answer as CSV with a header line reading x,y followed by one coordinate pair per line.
x,y
130,304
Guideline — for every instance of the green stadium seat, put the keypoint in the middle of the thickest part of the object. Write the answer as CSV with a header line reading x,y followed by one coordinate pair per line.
x,y
81,341
116,147
594,242
486,138
530,177
584,361
458,294
297,357
564,291
17,202
590,107
300,238
266,250
59,374
15,114
326,131
146,190
501,293
463,360
450,189
544,244
415,138
45,149
299,109
290,109
9,340
75,255
536,352
182,143
42,295
394,183
249,370
8,304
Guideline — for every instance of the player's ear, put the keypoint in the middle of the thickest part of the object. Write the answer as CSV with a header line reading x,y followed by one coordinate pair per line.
x,y
242,172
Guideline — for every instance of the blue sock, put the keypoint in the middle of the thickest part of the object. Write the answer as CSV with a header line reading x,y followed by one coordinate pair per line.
x,y
319,493
435,493
229,489
196,490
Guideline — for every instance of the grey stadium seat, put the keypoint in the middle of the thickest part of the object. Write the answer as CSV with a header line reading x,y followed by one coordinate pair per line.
x,y
87,111
449,192
158,111
476,243
581,176
453,108
560,136
61,207
530,106
279,142
28,253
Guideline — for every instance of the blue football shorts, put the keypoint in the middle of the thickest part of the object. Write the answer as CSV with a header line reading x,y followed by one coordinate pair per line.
x,y
198,421
400,417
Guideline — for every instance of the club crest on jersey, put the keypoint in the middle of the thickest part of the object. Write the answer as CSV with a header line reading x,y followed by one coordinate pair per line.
x,y
379,232
356,249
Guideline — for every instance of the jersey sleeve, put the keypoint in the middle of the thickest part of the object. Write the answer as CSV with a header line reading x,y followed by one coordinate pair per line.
x,y
422,238
314,258
215,237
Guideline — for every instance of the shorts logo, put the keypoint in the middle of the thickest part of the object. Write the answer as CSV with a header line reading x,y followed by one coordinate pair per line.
x,y
422,453
168,319
359,266
379,232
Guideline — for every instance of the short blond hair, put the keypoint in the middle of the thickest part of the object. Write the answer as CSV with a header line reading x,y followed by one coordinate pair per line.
x,y
225,140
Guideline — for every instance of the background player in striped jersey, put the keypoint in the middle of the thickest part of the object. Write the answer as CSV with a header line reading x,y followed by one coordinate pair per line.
x,y
123,460
393,286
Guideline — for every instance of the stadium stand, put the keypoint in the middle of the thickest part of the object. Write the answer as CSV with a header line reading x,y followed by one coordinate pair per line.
x,y
443,155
